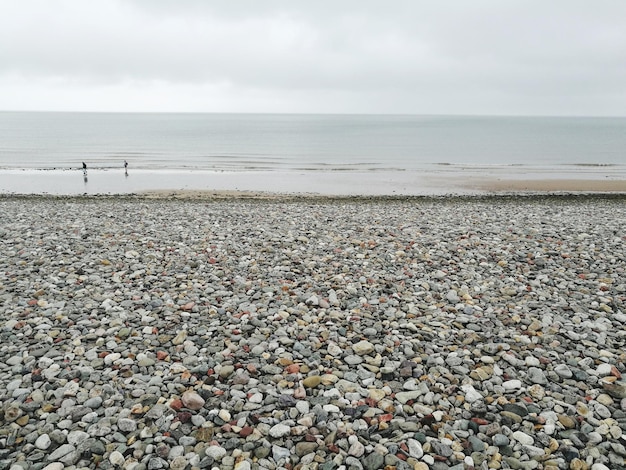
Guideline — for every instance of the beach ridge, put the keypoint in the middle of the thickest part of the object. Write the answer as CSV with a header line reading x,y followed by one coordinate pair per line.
x,y
249,331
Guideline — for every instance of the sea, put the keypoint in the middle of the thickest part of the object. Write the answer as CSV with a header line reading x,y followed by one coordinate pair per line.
x,y
42,152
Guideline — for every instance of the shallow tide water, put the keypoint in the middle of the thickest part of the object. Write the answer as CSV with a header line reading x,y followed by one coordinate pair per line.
x,y
325,154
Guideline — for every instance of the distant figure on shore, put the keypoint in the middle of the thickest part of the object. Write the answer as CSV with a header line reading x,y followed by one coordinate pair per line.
x,y
125,167
84,168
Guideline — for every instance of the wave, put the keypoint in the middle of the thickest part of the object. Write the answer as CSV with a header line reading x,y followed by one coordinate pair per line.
x,y
600,165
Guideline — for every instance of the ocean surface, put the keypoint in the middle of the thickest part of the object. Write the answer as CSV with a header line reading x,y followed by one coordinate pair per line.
x,y
191,148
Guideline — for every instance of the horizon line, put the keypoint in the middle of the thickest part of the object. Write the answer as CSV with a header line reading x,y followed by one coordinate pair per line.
x,y
301,113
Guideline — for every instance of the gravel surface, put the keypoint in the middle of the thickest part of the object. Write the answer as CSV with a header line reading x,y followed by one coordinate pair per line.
x,y
313,333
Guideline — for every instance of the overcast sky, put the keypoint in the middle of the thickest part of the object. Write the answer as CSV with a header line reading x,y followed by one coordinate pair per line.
x,y
517,57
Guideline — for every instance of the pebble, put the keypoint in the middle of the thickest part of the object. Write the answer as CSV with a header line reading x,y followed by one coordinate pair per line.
x,y
276,333
192,400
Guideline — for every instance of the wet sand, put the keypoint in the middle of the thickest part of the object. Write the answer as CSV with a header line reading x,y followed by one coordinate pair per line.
x,y
331,183
552,185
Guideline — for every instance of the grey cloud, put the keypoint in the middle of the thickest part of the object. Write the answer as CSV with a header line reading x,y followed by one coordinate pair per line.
x,y
515,51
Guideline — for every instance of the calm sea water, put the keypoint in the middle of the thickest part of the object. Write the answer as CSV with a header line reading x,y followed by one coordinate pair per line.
x,y
267,142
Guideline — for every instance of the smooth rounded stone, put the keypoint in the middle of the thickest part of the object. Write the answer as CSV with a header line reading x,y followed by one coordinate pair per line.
x,y
279,430
94,403
500,440
536,376
111,358
477,444
192,400
601,411
404,397
43,442
567,421
224,415
452,296
603,370
512,385
533,452
215,452
65,453
363,348
312,381
54,466
422,409
563,371
605,399
226,371
116,458
519,410
415,448
353,359
523,438
532,361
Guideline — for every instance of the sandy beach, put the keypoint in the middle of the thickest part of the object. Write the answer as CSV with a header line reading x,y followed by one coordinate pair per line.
x,y
243,331
465,181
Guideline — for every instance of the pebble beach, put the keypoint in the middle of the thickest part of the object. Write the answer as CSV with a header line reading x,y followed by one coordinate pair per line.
x,y
324,333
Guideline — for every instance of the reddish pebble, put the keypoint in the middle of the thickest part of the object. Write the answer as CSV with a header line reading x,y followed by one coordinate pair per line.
x,y
371,402
192,400
385,418
480,421
293,368
246,431
176,404
103,354
162,355
616,372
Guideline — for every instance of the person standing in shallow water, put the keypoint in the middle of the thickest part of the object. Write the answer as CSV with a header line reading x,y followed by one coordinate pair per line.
x,y
125,167
84,167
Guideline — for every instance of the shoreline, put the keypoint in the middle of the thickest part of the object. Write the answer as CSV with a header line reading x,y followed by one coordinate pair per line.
x,y
261,196
383,183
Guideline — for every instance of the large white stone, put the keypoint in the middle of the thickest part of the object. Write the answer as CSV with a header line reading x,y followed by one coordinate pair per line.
x,y
363,347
